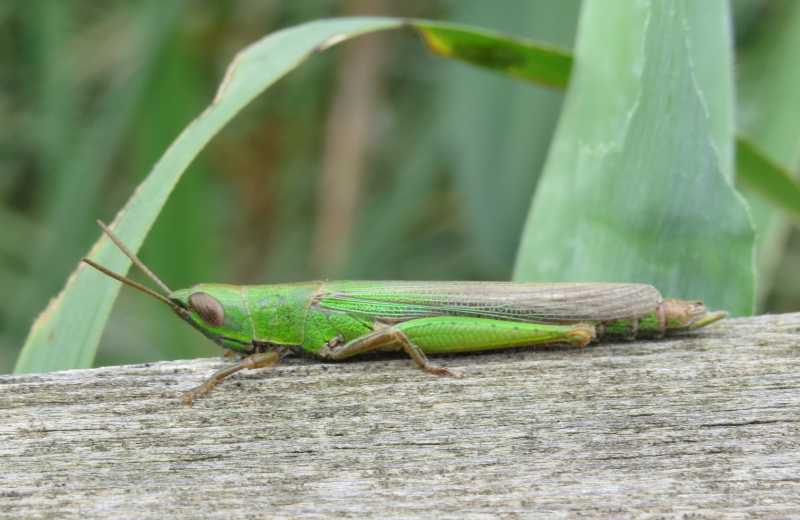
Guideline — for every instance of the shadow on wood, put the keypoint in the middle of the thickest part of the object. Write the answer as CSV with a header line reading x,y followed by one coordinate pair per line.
x,y
707,423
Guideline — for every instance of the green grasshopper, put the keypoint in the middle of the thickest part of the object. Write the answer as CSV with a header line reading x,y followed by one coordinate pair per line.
x,y
342,319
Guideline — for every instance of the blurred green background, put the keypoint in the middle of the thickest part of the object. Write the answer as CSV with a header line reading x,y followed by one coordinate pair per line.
x,y
435,162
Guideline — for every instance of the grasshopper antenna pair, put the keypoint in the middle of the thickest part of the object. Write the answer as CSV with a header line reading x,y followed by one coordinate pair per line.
x,y
138,263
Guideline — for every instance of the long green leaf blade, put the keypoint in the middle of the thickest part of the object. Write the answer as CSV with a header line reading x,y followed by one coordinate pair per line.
x,y
549,65
768,81
638,183
516,57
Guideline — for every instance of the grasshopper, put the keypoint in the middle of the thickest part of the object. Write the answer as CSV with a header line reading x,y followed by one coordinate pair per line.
x,y
336,320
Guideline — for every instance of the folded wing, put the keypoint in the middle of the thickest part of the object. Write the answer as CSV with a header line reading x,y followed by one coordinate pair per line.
x,y
529,302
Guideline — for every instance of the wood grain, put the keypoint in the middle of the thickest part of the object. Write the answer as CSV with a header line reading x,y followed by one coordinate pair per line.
x,y
704,426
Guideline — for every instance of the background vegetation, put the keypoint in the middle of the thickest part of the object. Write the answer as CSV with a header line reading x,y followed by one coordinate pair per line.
x,y
373,160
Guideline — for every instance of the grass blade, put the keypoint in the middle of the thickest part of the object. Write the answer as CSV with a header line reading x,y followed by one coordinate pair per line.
x,y
756,172
768,80
516,57
638,183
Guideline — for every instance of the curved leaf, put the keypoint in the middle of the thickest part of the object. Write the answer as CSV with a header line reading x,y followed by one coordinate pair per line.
x,y
543,64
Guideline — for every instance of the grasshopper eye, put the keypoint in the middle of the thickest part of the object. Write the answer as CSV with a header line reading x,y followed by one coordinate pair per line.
x,y
208,308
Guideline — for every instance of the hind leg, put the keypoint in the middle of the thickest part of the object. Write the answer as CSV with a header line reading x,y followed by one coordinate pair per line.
x,y
444,334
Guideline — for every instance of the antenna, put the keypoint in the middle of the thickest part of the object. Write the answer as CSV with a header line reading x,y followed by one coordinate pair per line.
x,y
135,259
130,283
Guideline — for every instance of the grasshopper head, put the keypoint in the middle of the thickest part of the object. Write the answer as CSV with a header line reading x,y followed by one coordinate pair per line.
x,y
218,311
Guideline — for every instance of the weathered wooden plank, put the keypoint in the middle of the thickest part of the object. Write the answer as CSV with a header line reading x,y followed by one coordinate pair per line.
x,y
707,425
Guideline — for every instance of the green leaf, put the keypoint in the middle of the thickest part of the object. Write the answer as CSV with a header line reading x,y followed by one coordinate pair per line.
x,y
637,185
543,64
768,81
547,65
756,172
67,333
